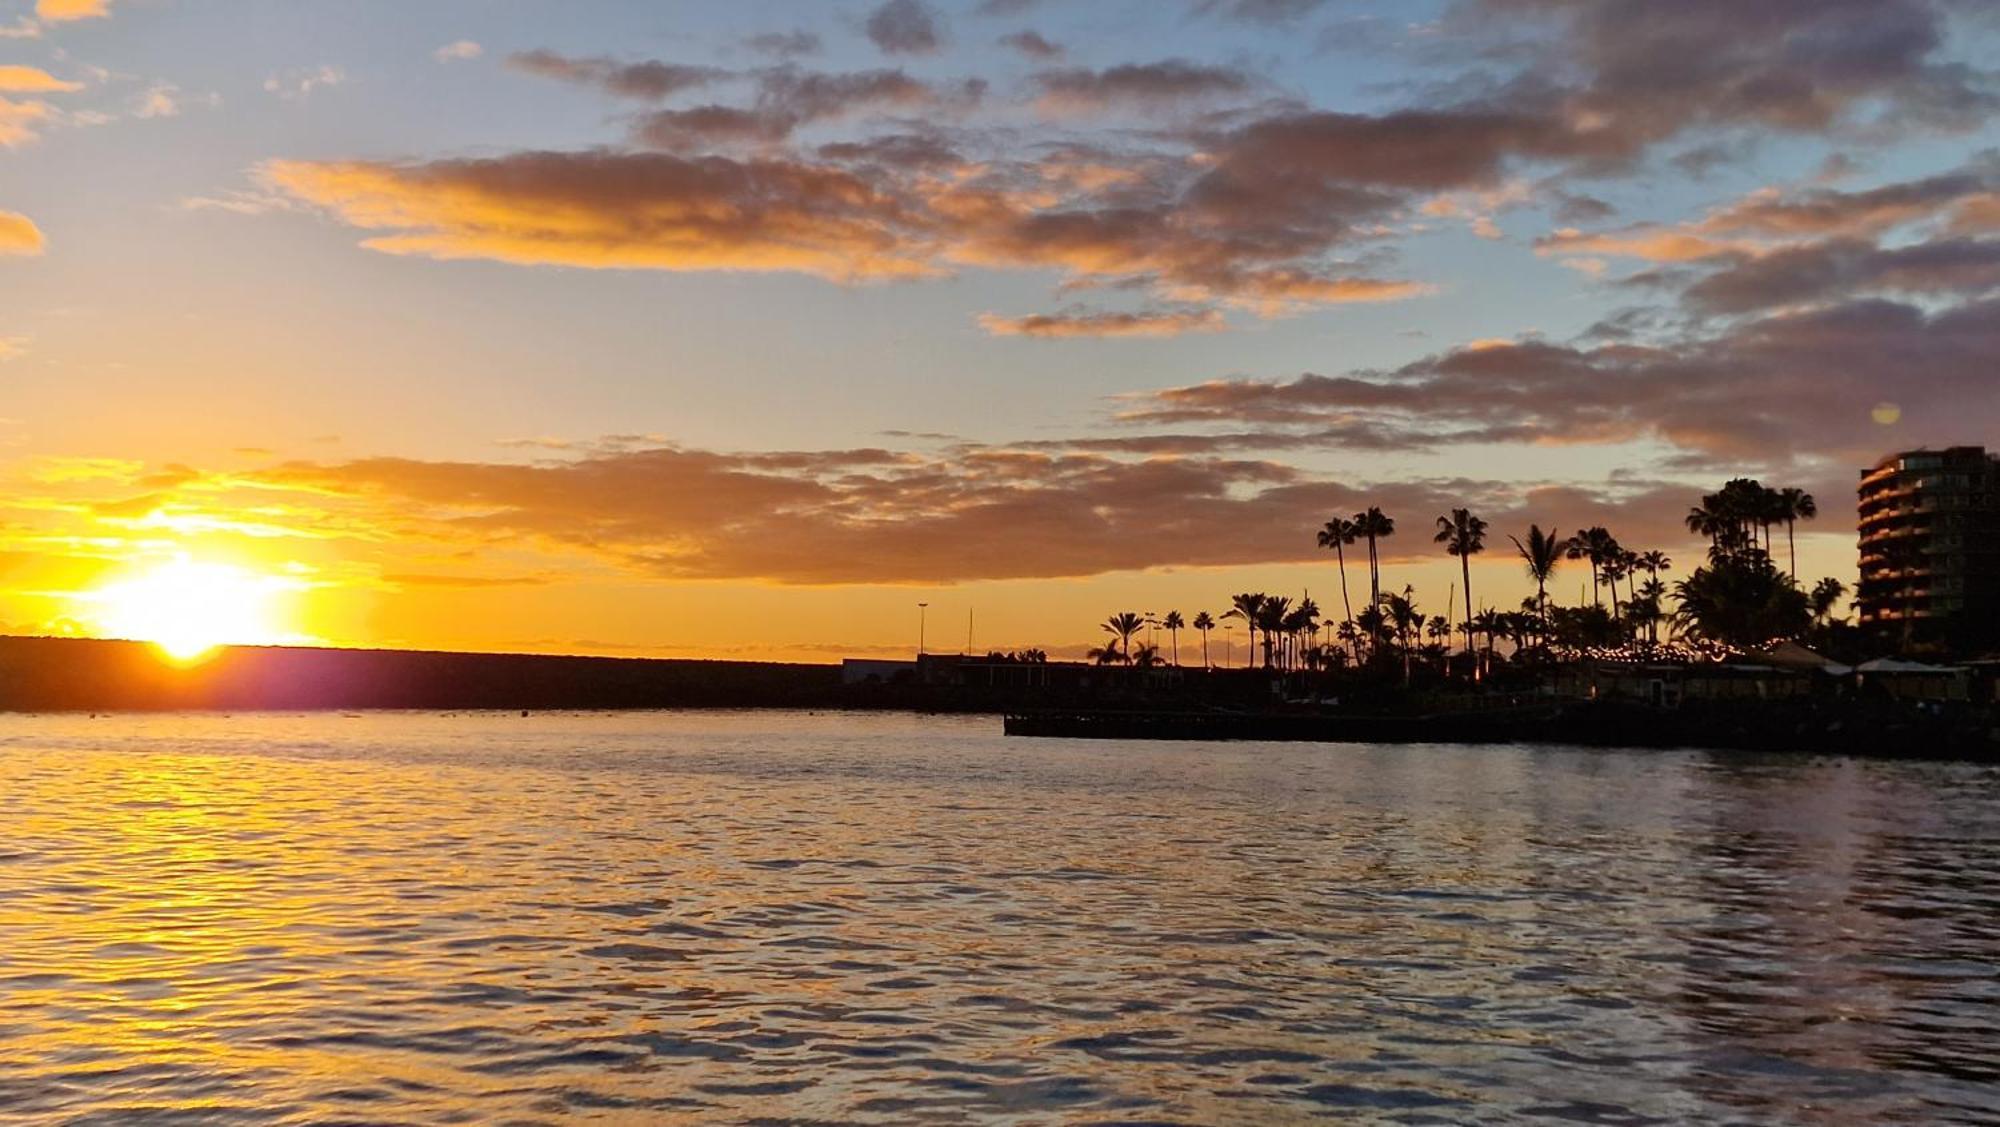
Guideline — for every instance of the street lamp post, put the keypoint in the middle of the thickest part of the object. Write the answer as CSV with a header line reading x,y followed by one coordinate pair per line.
x,y
920,628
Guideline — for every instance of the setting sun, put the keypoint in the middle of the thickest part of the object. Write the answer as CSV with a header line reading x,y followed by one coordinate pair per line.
x,y
188,607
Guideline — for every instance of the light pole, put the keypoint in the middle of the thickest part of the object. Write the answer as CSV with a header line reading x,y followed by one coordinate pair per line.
x,y
920,628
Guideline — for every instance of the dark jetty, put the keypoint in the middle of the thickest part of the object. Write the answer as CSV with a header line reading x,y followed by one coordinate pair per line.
x,y
73,674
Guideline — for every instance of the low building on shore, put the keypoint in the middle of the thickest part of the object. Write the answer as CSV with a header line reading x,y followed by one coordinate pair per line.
x,y
1785,670
1914,680
875,671
1669,684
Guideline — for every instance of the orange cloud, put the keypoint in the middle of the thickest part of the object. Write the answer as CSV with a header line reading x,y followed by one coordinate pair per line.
x,y
635,211
862,516
874,218
1977,215
1654,244
63,11
18,121
1276,291
19,235
33,80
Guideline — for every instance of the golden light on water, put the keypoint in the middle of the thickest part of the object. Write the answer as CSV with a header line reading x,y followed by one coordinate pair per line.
x,y
188,607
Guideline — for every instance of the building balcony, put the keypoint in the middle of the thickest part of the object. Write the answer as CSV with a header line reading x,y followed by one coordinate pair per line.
x,y
1883,535
1922,509
1886,494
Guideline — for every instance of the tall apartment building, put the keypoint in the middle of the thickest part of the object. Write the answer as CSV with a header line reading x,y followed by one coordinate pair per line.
x,y
1930,548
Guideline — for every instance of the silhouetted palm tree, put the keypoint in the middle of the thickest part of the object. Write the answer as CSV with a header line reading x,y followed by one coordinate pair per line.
x,y
1740,509
1247,606
1463,535
1300,621
1597,545
1645,607
1823,596
1740,601
1271,621
1655,562
1122,626
1403,615
1173,623
1707,520
1613,569
1373,525
1204,623
1796,505
1349,633
1772,509
1373,623
1533,617
1489,622
1337,534
1541,553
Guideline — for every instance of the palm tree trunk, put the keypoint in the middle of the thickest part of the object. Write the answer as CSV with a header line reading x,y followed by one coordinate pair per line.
x,y
1465,569
1374,574
1204,651
1792,546
1341,557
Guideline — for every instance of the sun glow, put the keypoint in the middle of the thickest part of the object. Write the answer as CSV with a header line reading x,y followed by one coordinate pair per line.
x,y
189,607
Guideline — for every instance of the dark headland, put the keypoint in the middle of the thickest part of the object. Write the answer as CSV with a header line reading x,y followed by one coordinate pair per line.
x,y
72,674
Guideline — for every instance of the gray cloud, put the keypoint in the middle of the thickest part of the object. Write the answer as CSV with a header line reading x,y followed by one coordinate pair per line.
x,y
905,27
1770,391
1033,45
645,81
784,44
1260,11
1843,268
1167,83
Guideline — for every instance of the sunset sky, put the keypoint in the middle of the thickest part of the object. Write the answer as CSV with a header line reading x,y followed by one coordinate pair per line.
x,y
738,330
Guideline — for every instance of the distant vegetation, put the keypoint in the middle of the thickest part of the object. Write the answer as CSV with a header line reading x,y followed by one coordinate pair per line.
x,y
1735,599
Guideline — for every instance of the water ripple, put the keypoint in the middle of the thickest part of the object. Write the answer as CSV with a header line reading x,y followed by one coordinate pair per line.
x,y
774,918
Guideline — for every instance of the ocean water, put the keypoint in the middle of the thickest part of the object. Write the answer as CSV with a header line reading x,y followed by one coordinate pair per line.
x,y
791,918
